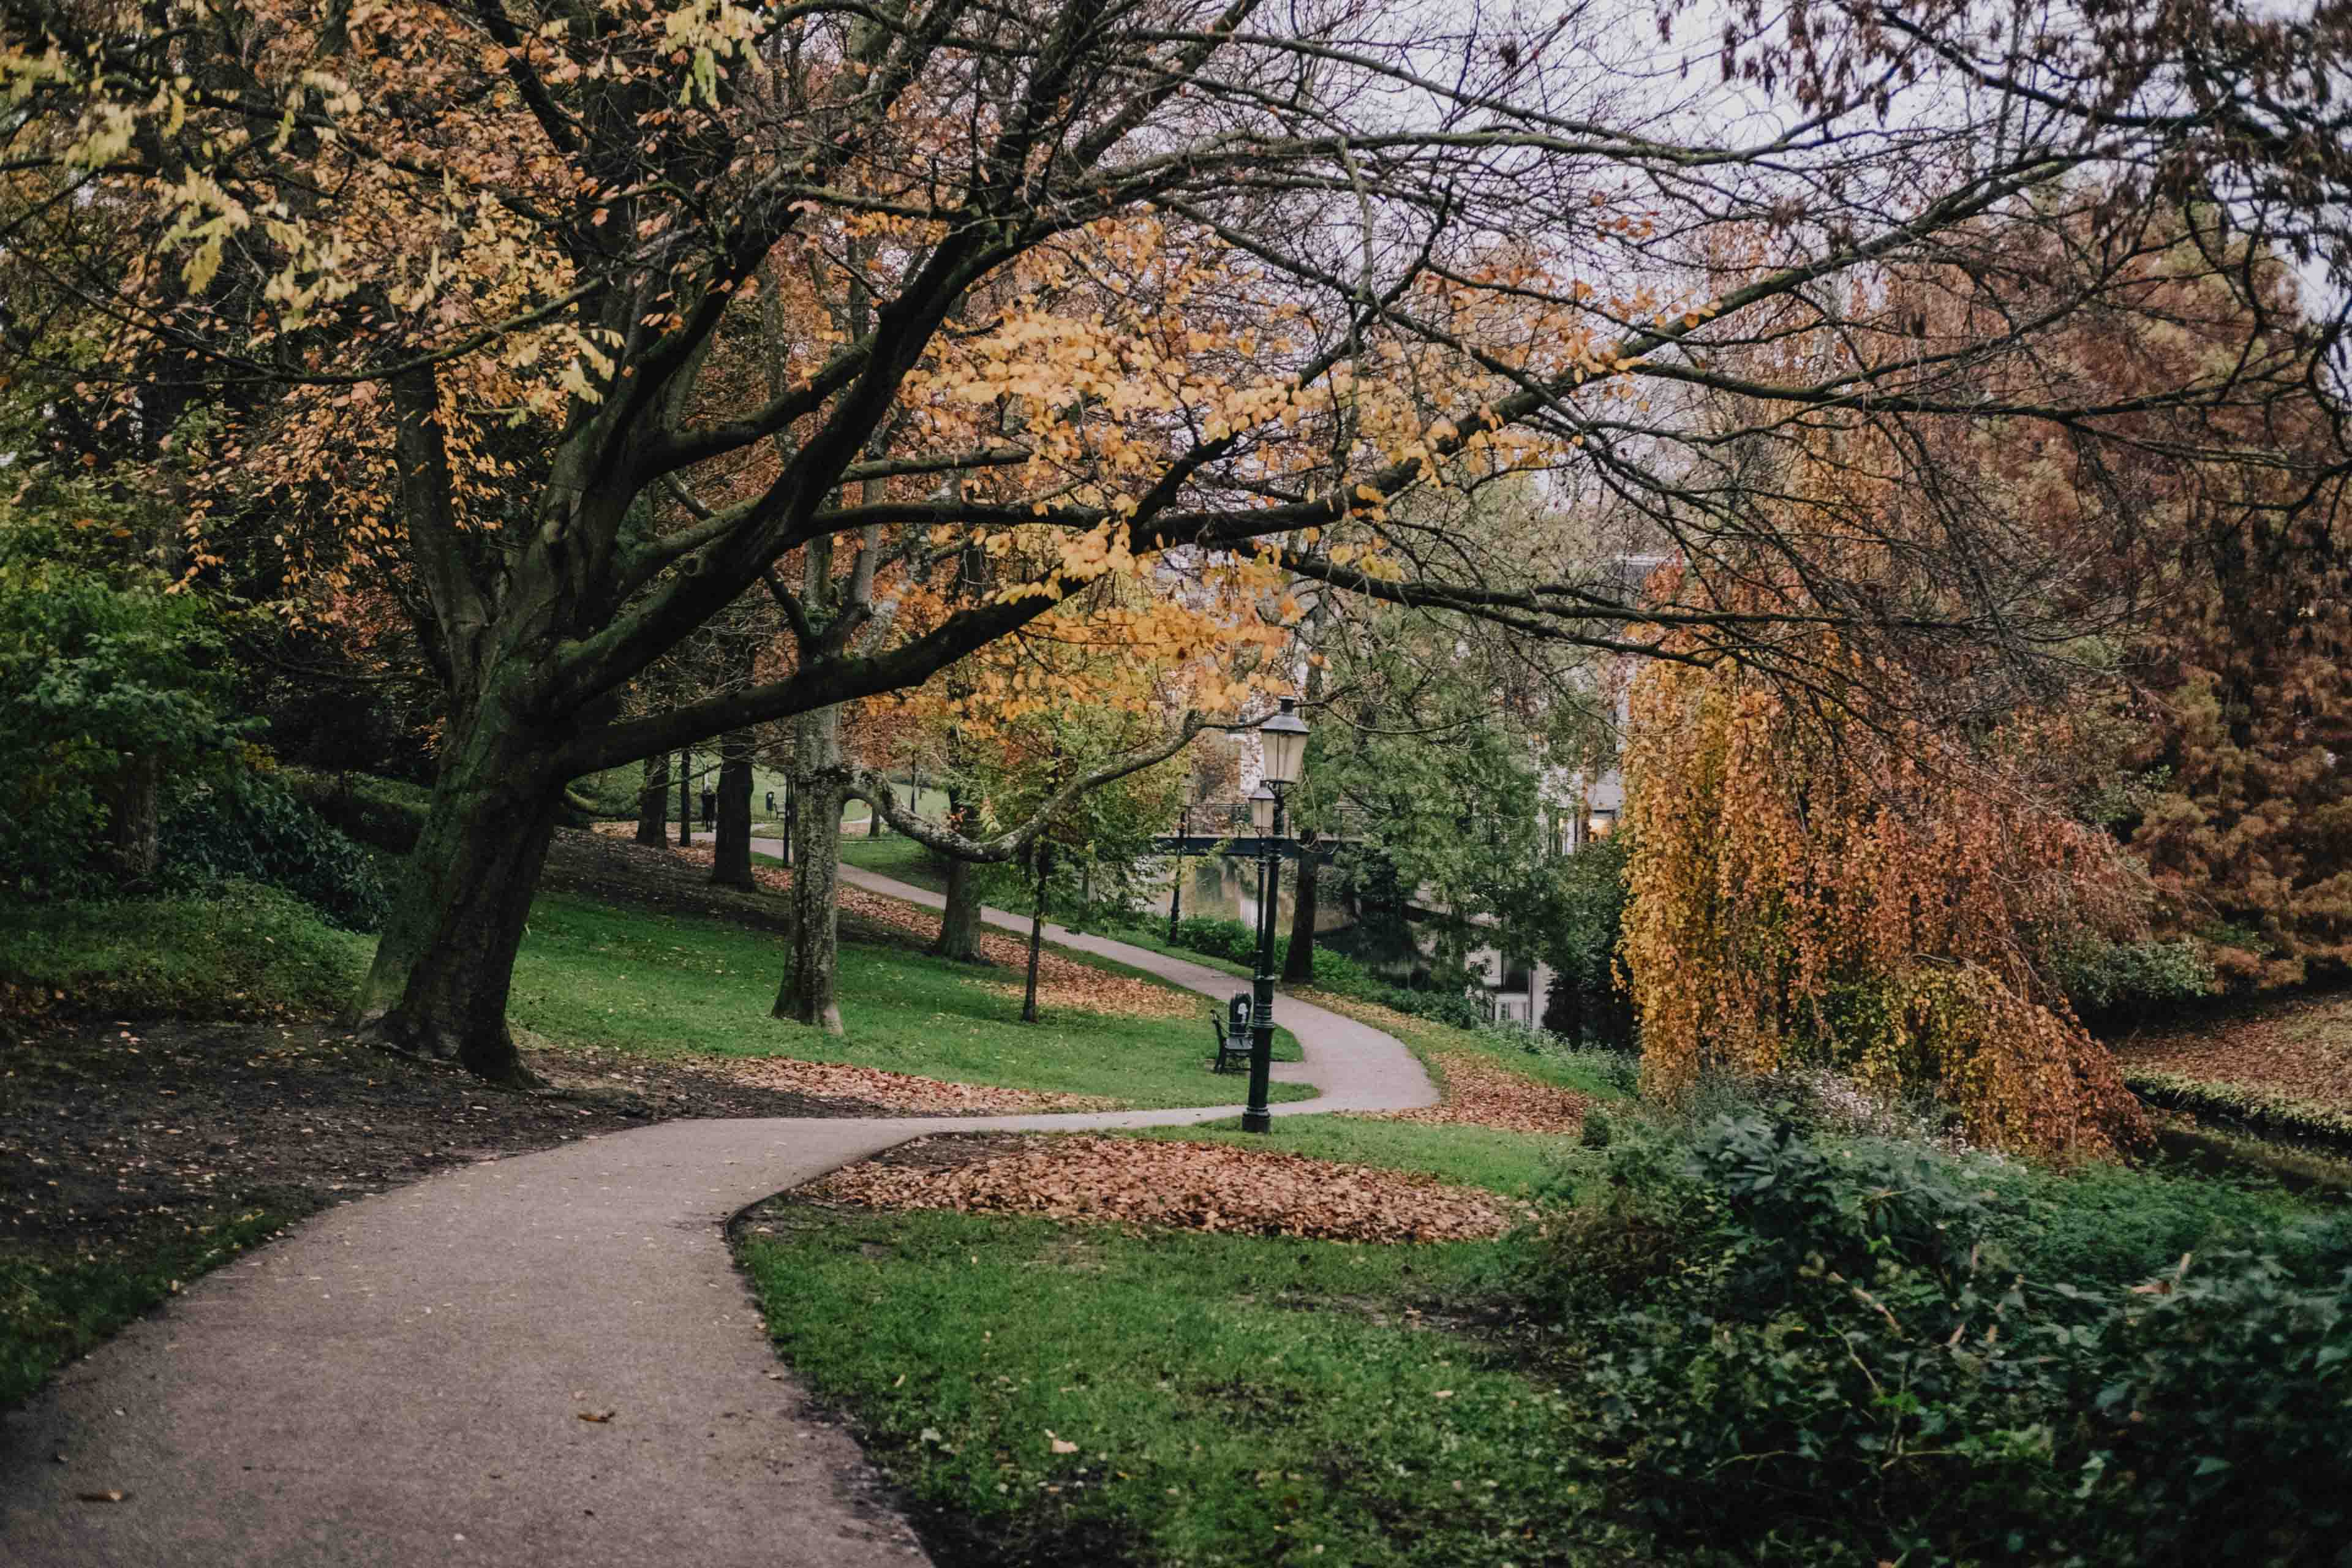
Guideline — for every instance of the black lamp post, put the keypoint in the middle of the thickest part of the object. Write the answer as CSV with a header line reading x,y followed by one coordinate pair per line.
x,y
1176,883
1283,745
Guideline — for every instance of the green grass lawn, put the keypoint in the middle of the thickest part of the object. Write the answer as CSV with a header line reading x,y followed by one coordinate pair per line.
x,y
1225,1399
897,856
663,985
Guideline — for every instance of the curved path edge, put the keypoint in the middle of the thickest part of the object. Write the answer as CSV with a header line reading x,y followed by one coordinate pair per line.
x,y
402,1380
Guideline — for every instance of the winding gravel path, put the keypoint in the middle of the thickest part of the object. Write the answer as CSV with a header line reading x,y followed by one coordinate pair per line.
x,y
402,1380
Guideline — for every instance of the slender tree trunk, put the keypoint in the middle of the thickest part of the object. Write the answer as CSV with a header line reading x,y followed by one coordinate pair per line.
x,y
874,818
959,920
792,821
133,829
685,800
806,994
445,962
653,802
1298,967
730,861
1036,933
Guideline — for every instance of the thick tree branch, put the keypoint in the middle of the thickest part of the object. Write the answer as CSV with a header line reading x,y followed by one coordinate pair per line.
x,y
874,789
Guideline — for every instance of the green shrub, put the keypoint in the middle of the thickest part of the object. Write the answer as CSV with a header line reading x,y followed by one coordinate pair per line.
x,y
99,669
1814,1352
1218,938
248,828
1581,930
2110,983
241,951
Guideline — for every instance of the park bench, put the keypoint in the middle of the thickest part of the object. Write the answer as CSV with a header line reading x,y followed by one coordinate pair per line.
x,y
1233,1040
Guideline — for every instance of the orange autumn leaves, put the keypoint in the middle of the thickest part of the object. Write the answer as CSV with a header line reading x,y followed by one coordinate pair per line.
x,y
1805,889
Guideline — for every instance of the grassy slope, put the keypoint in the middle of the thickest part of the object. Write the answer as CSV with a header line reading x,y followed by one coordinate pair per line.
x,y
665,984
1230,1399
252,952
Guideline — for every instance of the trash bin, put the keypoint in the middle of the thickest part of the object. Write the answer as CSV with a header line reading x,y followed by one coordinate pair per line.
x,y
1238,1014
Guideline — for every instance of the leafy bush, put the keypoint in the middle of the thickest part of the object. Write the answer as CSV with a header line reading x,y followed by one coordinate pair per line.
x,y
99,668
2113,983
1217,938
1807,1352
248,827
1581,931
240,952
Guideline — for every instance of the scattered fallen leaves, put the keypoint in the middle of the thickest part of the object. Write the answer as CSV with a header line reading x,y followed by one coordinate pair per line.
x,y
2299,1049
1474,1087
1479,1092
892,1090
1191,1186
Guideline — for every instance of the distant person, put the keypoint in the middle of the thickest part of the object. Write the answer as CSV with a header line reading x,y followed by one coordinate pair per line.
x,y
709,807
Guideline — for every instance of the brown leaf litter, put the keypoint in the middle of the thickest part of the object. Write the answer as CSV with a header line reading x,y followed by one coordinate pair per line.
x,y
892,1092
1186,1186
2297,1048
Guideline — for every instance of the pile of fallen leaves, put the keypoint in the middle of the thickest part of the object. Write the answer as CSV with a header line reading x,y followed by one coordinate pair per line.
x,y
1190,1187
892,1090
1062,981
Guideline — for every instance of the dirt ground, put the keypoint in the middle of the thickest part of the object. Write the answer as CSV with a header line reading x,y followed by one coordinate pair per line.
x,y
120,1125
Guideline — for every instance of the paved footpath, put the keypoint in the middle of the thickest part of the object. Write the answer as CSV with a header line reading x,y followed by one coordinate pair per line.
x,y
402,1380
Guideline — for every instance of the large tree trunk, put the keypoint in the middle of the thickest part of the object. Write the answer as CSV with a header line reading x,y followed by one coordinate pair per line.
x,y
1298,967
653,802
730,860
959,920
806,994
438,986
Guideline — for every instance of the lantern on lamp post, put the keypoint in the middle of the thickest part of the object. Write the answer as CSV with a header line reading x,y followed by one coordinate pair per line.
x,y
1283,749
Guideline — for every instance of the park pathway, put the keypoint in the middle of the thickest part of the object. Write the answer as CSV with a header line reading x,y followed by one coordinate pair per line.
x,y
403,1380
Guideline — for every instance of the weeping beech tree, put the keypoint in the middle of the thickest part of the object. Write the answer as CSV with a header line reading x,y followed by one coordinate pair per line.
x,y
1177,286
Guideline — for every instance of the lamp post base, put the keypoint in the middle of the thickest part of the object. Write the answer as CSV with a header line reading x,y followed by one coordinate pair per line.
x,y
1255,1117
